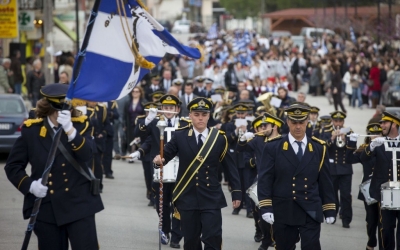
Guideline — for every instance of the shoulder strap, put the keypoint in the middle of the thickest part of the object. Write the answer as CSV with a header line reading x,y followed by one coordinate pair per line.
x,y
69,157
196,164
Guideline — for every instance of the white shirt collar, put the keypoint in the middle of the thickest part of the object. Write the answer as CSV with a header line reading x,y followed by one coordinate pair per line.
x,y
51,124
190,96
172,120
204,133
292,139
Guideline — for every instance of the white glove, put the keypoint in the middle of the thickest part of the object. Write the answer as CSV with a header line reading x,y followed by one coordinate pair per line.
x,y
268,217
37,189
152,114
135,155
330,220
247,136
353,136
376,142
64,118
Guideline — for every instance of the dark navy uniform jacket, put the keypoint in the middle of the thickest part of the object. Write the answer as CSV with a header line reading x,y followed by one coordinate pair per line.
x,y
68,198
312,130
383,169
145,139
337,156
354,156
255,145
113,114
204,190
291,189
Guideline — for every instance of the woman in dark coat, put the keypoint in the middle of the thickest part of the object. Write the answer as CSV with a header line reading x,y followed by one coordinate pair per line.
x,y
336,86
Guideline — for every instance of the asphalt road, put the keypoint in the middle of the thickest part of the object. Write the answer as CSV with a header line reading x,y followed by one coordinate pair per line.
x,y
128,223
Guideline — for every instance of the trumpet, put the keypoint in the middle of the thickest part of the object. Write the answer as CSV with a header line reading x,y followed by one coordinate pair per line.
x,y
339,142
163,111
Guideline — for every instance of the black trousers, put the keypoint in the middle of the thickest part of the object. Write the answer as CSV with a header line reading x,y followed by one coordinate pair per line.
x,y
389,221
342,183
337,100
169,225
372,219
81,234
286,236
204,223
266,229
98,168
107,155
148,171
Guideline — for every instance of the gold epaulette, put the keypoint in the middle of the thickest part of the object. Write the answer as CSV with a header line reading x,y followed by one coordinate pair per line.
x,y
182,128
274,138
185,119
80,119
327,126
221,132
140,116
114,105
29,122
318,140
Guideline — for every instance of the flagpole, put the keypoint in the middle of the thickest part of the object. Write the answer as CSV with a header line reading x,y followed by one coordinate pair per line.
x,y
57,135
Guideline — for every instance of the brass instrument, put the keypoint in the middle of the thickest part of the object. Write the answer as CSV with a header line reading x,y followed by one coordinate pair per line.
x,y
339,141
225,102
265,99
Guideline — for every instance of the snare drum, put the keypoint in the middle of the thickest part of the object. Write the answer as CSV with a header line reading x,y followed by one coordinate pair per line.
x,y
170,171
364,188
390,195
252,192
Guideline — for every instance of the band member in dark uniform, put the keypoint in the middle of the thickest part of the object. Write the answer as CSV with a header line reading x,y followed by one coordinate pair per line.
x,y
353,155
341,172
198,194
313,124
294,187
325,121
148,126
112,112
68,208
267,127
383,172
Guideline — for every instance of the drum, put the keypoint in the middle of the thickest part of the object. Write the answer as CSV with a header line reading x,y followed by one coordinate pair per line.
x,y
364,188
390,195
170,171
252,192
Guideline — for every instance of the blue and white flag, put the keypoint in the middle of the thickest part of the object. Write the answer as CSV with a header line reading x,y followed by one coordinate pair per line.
x,y
213,32
108,70
353,35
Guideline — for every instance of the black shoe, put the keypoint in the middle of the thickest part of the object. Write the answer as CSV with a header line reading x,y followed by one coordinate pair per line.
x,y
100,190
263,247
236,211
346,225
258,237
249,215
109,176
151,204
174,245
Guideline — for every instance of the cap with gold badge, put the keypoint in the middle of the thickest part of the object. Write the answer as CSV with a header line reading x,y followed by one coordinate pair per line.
x,y
199,78
55,94
170,100
325,119
314,109
241,107
149,105
386,116
155,77
177,82
268,118
297,112
374,128
248,103
157,95
220,91
338,115
200,104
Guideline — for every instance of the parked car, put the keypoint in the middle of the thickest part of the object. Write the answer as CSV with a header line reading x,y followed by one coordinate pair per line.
x,y
181,26
391,90
311,32
13,113
280,33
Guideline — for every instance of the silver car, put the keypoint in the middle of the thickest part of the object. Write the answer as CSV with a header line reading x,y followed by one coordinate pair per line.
x,y
13,113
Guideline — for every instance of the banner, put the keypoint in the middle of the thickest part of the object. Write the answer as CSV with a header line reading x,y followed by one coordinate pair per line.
x,y
8,19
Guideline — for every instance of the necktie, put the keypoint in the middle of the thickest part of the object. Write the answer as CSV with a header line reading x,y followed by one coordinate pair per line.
x,y
199,142
169,123
300,151
188,100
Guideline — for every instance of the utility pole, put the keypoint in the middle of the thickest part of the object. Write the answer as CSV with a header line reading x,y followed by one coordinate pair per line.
x,y
48,36
77,24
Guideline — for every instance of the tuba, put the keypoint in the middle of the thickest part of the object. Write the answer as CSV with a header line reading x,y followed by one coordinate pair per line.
x,y
265,99
339,141
225,102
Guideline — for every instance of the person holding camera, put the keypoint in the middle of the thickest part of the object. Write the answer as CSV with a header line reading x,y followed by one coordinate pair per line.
x,y
69,202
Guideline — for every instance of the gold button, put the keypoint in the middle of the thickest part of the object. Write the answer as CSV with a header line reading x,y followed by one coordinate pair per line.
x,y
294,192
50,175
305,192
294,198
306,198
206,172
208,185
207,178
197,178
51,191
336,162
64,173
294,178
305,179
72,144
197,172
197,184
66,180
390,170
63,165
293,184
208,166
305,186
50,183
389,174
66,190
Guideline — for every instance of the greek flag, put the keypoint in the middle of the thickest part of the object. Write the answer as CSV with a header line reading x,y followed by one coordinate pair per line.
x,y
352,35
241,41
212,32
125,43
